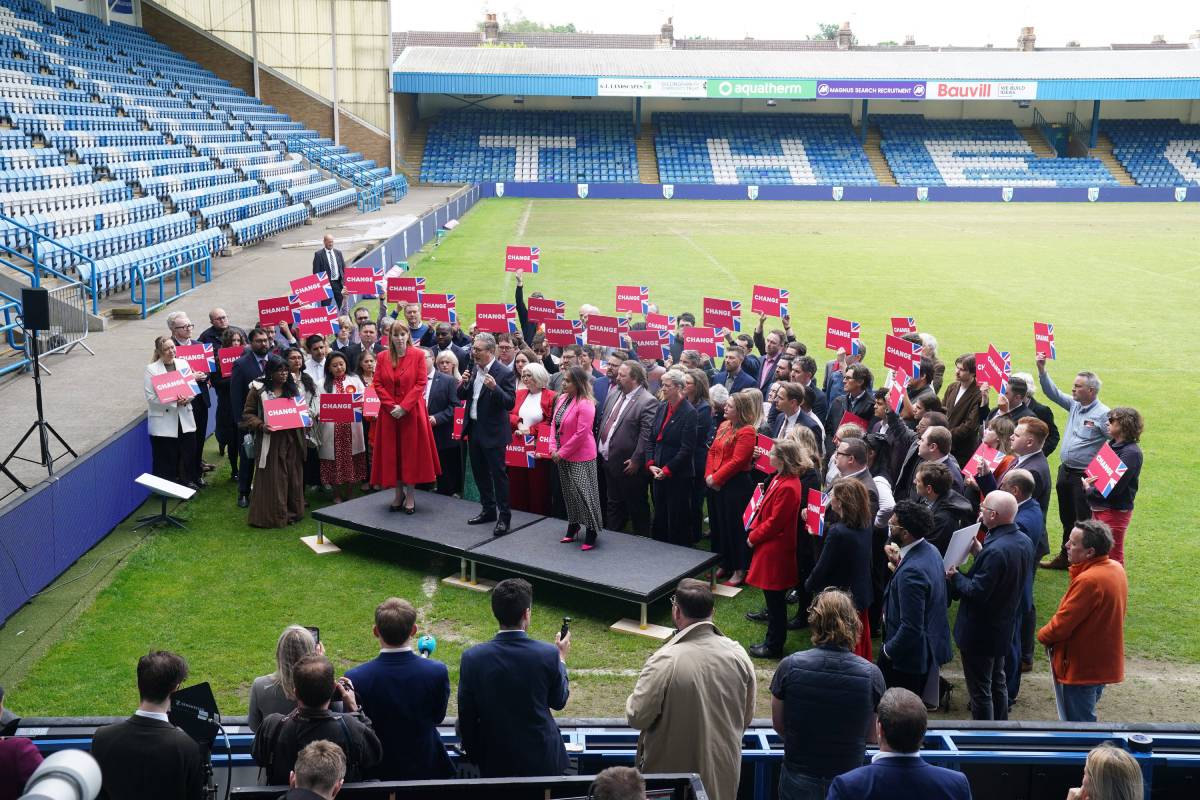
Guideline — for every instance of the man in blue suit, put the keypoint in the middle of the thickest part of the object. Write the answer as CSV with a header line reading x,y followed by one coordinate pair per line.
x,y
916,635
506,689
733,377
1020,484
405,697
897,770
992,596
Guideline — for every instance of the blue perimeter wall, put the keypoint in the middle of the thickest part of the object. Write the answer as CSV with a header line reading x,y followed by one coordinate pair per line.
x,y
46,530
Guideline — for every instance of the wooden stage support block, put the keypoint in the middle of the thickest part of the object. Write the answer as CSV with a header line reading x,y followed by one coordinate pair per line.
x,y
721,590
482,585
320,547
650,630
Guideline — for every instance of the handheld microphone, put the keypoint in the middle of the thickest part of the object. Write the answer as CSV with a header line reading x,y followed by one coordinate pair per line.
x,y
426,645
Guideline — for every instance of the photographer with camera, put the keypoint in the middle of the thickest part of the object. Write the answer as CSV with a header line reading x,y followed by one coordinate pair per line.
x,y
147,756
280,738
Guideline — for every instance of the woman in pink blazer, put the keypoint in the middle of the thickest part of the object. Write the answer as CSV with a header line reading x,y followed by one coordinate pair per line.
x,y
574,450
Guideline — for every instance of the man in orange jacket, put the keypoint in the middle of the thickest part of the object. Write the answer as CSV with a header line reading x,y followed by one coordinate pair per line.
x,y
1086,635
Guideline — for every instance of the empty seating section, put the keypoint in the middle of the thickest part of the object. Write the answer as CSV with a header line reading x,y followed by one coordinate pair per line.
x,y
92,114
793,149
332,202
979,152
1157,152
527,146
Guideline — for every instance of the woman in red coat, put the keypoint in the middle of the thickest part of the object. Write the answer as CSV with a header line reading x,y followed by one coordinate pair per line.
x,y
772,536
727,476
529,489
404,451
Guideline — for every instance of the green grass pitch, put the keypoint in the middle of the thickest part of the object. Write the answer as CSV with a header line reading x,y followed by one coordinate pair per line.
x,y
1120,283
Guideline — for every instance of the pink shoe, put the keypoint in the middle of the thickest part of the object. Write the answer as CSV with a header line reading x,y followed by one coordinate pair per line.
x,y
566,540
587,547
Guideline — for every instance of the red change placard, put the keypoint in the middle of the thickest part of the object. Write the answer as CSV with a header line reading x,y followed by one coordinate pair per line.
x,y
603,331
655,345
545,436
438,307
285,413
633,299
706,341
460,421
563,332
199,357
985,455
1043,339
1107,469
312,289
543,308
762,454
496,317
402,289
850,418
752,507
660,322
842,334
337,407
316,320
274,310
367,281
521,259
171,386
370,403
228,356
814,513
720,313
521,452
769,300
902,326
901,354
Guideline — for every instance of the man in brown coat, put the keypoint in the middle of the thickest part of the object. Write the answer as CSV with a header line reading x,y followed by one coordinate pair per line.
x,y
694,698
961,403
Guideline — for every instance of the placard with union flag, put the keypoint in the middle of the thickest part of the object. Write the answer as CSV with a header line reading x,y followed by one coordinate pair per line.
x,y
660,322
543,308
286,413
171,386
312,289
370,406
518,258
993,369
405,289
983,455
726,314
274,310
753,506
366,281
770,301
1107,469
496,317
318,320
850,418
652,344
563,332
902,326
762,454
842,334
1043,339
437,307
521,452
704,340
902,354
633,299
896,381
604,331
340,407
814,512
227,357
199,357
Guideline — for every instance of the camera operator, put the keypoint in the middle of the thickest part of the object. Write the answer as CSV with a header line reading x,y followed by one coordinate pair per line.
x,y
280,738
147,756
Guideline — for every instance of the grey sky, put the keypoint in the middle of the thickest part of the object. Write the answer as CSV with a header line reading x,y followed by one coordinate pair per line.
x,y
935,22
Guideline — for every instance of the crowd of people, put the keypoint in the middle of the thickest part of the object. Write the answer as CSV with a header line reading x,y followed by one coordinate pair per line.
x,y
691,703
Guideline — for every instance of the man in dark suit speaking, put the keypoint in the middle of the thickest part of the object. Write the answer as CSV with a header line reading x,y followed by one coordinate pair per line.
x,y
490,390
333,264
147,756
506,689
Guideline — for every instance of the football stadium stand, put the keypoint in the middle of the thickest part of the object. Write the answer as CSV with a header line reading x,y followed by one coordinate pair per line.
x,y
1157,152
978,152
795,149
530,146
116,149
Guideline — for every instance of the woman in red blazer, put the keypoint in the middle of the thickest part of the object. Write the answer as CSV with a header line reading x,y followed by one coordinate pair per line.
x,y
533,407
727,476
773,533
405,452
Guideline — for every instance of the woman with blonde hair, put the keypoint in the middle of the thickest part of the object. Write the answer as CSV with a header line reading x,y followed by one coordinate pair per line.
x,y
276,693
172,427
845,560
727,477
447,363
405,453
1110,773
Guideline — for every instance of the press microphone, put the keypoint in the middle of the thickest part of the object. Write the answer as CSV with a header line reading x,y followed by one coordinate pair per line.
x,y
66,775
426,645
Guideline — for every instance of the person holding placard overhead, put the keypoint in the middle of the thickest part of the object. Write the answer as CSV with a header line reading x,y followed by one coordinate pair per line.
x,y
340,445
277,498
405,451
172,428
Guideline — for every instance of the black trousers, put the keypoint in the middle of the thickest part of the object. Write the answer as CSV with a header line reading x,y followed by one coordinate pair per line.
x,y
699,491
628,498
731,502
987,686
880,576
491,478
173,458
673,510
776,600
913,681
451,480
200,410
337,294
1072,501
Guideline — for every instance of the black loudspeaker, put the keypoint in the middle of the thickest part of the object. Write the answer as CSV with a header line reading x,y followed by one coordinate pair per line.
x,y
35,309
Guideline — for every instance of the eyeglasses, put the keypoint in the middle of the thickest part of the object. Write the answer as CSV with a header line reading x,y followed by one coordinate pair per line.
x,y
188,325
842,453
223,316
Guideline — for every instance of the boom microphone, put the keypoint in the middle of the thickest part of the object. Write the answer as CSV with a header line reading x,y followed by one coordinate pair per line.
x,y
426,645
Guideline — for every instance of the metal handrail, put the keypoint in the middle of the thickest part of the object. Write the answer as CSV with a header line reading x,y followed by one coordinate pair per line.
x,y
36,267
324,156
10,307
196,259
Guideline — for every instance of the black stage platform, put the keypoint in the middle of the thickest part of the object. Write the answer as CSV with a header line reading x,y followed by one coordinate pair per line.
x,y
626,567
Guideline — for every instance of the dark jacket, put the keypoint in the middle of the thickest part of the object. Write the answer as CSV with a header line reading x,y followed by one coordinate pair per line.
x,y
845,562
405,696
143,758
443,399
1043,483
900,778
672,447
741,380
281,738
353,352
491,429
951,511
506,689
991,594
704,434
916,635
245,370
1044,413
962,412
321,264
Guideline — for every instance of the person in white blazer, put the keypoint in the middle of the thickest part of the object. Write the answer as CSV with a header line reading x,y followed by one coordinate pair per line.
x,y
171,425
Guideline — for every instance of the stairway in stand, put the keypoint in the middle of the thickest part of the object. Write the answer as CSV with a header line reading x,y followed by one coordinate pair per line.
x,y
414,151
879,165
646,156
1104,151
1041,148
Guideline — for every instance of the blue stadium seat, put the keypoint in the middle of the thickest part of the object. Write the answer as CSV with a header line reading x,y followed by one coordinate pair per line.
x,y
1156,152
